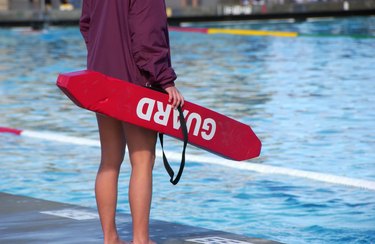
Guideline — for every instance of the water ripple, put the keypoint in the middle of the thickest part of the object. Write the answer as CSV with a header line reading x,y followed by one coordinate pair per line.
x,y
310,99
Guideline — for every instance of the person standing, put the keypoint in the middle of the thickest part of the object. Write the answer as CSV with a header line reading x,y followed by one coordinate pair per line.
x,y
128,40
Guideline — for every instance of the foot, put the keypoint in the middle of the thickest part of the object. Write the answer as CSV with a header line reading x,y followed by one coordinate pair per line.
x,y
149,242
116,241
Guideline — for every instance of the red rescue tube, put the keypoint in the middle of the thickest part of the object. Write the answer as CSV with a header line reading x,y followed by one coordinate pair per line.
x,y
141,106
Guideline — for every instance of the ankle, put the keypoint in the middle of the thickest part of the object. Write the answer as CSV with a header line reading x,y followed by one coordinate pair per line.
x,y
111,238
141,241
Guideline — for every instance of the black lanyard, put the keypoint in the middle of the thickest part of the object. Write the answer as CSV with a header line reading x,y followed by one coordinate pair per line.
x,y
182,164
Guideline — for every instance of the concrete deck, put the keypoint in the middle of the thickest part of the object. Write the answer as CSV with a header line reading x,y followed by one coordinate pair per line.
x,y
30,220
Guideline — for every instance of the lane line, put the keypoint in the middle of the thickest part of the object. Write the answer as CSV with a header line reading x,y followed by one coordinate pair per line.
x,y
243,32
249,32
260,168
60,138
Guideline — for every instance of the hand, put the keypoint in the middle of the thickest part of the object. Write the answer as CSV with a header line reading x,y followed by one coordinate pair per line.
x,y
175,97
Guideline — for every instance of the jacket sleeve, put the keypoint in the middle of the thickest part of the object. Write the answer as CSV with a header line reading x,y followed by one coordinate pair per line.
x,y
150,41
84,21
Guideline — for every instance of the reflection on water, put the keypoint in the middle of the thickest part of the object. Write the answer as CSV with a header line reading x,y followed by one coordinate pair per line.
x,y
310,99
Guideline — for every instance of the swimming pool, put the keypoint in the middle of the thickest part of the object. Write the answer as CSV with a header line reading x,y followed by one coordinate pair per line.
x,y
310,99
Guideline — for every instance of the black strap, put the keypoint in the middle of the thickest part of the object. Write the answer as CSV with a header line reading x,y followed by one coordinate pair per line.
x,y
182,165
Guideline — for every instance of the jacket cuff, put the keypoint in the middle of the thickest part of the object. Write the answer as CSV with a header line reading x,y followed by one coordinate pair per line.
x,y
166,79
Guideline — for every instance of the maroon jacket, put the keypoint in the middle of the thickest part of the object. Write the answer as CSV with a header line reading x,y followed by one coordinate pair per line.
x,y
128,39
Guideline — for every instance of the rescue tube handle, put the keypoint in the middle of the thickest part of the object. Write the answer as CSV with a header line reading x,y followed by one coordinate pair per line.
x,y
182,164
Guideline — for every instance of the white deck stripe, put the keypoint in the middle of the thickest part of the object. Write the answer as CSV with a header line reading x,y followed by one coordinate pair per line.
x,y
76,214
216,240
266,169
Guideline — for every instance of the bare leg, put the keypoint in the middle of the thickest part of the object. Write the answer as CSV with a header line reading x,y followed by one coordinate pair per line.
x,y
195,3
113,148
141,144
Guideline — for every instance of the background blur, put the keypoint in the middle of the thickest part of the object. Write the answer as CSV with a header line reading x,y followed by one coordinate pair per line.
x,y
310,98
20,12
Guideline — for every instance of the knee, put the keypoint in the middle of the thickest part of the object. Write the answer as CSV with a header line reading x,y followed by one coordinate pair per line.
x,y
111,163
143,159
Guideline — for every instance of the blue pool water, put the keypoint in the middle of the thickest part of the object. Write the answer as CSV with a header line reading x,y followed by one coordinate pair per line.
x,y
310,99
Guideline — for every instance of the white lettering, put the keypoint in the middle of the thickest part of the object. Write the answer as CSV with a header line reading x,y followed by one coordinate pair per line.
x,y
198,122
161,116
207,125
145,113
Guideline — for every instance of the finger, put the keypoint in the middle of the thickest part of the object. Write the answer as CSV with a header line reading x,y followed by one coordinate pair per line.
x,y
175,100
182,101
170,98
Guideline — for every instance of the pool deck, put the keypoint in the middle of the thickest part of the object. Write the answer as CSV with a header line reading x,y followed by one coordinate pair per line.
x,y
31,220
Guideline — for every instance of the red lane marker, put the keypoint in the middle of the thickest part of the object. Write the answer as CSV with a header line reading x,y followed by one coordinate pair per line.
x,y
189,29
10,130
